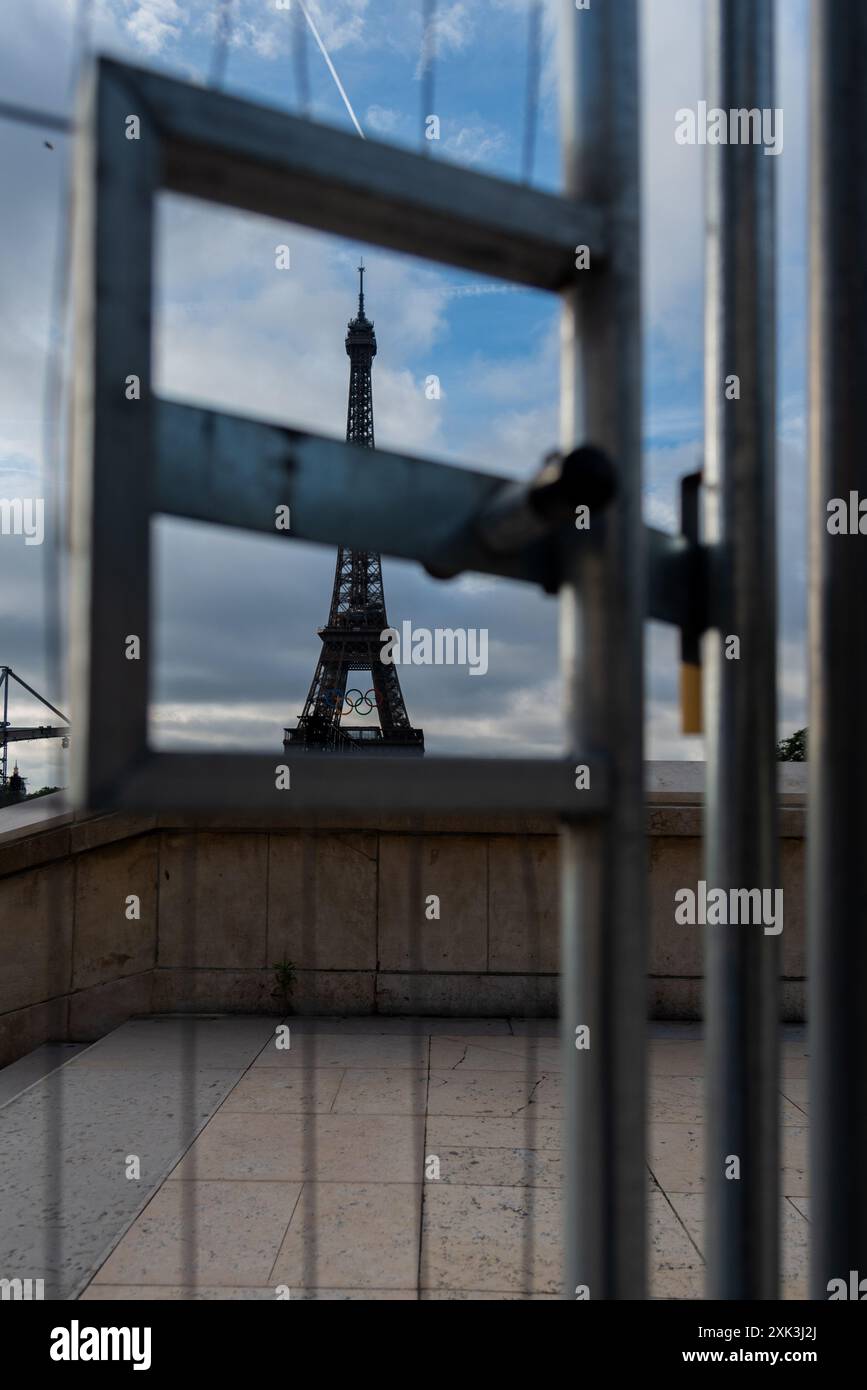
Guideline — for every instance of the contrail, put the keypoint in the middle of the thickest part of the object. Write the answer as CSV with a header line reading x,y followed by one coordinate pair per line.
x,y
331,67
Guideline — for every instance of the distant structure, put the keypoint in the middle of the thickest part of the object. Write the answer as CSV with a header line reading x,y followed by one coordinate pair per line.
x,y
351,640
16,786
10,733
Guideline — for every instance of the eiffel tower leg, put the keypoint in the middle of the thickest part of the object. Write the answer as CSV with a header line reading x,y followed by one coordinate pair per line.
x,y
389,697
324,705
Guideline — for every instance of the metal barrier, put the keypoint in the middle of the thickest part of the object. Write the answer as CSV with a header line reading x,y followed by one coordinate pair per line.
x,y
134,458
742,962
837,803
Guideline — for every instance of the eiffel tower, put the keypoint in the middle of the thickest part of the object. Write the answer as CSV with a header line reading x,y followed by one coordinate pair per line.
x,y
351,640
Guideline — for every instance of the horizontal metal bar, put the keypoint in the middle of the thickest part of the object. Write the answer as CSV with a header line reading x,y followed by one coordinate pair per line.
x,y
27,115
230,151
22,733
209,781
237,472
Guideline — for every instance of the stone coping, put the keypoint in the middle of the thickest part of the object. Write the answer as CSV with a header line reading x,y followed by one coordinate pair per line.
x,y
34,833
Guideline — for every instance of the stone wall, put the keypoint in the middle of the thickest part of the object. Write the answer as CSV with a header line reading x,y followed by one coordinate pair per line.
x,y
222,899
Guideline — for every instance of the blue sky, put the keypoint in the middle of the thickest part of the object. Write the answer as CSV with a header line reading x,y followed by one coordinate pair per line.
x,y
237,616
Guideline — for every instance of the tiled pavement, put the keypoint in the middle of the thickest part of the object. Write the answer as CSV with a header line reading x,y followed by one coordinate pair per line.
x,y
375,1158
309,1175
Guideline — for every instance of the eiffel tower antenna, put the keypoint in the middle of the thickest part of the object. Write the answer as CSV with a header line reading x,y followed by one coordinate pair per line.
x,y
351,639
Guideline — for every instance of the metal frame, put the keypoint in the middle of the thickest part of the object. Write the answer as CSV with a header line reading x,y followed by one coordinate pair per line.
x,y
837,802
133,460
742,963
234,472
602,868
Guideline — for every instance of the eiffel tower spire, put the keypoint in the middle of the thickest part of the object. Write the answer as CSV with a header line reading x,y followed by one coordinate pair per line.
x,y
351,638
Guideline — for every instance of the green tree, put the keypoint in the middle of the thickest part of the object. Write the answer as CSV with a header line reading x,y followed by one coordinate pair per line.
x,y
794,748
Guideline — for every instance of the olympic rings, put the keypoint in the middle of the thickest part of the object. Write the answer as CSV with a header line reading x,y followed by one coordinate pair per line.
x,y
352,700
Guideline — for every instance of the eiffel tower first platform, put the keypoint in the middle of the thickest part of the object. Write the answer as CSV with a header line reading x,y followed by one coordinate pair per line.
x,y
351,640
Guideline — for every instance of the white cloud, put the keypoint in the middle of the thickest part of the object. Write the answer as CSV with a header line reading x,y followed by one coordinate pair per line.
x,y
453,27
341,23
382,120
477,142
483,288
153,22
452,30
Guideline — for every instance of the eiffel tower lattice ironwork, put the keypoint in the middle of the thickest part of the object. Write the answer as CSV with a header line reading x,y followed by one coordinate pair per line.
x,y
351,640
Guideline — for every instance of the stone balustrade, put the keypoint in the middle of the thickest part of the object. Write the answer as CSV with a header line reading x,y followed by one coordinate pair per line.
x,y
220,899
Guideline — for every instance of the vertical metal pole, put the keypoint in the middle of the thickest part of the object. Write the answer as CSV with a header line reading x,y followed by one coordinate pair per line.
x,y
837,804
603,875
742,961
116,180
4,681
